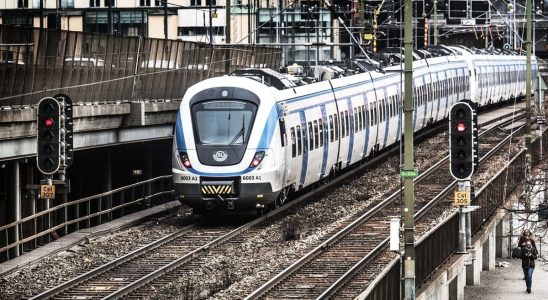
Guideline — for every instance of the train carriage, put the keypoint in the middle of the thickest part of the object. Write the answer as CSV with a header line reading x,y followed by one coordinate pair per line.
x,y
244,141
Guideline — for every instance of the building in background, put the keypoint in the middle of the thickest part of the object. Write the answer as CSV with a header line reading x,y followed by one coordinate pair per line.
x,y
307,30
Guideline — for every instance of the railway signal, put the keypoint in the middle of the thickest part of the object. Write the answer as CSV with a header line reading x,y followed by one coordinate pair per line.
x,y
49,126
463,140
67,131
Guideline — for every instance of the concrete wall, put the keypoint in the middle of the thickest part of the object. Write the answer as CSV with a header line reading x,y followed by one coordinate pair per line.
x,y
94,126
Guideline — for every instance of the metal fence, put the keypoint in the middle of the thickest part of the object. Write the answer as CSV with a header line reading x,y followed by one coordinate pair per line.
x,y
438,246
42,226
91,67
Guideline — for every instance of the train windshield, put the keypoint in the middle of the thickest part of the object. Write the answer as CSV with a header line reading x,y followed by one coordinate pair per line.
x,y
223,123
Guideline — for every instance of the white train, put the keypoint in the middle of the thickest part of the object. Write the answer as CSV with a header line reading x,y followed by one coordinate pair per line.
x,y
244,141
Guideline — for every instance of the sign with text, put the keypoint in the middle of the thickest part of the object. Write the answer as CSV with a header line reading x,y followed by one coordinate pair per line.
x,y
47,191
462,198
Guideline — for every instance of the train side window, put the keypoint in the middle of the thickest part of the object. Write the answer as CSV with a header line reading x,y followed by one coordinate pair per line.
x,y
322,133
310,137
299,140
316,135
283,133
293,142
331,129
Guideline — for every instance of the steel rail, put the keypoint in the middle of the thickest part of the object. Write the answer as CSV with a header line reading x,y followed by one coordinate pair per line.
x,y
258,293
345,278
112,264
167,268
144,280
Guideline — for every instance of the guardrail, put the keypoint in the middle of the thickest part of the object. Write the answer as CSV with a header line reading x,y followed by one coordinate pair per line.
x,y
93,67
37,228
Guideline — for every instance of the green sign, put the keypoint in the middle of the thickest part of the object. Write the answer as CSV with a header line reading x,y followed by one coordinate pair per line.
x,y
409,173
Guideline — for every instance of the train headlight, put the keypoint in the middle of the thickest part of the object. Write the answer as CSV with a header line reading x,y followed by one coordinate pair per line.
x,y
185,160
259,155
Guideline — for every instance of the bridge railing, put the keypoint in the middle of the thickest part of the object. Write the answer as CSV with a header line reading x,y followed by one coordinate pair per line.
x,y
93,67
51,222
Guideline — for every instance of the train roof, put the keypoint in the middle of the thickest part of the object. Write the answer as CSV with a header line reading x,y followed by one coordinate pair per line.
x,y
297,75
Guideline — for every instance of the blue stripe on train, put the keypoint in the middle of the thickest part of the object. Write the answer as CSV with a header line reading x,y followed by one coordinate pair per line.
x,y
367,127
305,147
325,141
386,118
179,135
351,141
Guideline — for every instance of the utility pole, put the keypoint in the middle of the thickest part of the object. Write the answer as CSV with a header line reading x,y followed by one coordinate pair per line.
x,y
211,21
528,79
109,17
362,19
409,188
165,21
249,21
227,35
435,22
488,24
41,15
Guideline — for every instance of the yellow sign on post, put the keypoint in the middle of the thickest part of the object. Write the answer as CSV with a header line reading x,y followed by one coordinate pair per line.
x,y
47,191
368,36
462,198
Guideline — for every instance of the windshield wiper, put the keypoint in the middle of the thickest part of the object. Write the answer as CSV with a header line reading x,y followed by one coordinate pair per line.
x,y
239,134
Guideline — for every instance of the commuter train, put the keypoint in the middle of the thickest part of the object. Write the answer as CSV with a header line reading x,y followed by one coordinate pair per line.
x,y
244,141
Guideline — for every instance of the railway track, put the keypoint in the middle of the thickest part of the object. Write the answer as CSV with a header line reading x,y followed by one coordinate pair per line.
x,y
361,245
149,268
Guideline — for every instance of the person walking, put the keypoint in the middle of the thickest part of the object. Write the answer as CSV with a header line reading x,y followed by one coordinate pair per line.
x,y
528,255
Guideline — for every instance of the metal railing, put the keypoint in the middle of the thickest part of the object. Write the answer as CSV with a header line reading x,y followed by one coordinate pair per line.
x,y
97,209
442,241
93,67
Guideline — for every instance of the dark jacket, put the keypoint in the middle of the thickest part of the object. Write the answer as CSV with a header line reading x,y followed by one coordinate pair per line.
x,y
528,256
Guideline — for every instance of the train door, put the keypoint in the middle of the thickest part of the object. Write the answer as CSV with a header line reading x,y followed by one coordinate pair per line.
x,y
498,79
295,154
357,128
370,127
372,114
490,84
442,96
394,114
342,118
506,85
420,114
513,80
381,115
427,89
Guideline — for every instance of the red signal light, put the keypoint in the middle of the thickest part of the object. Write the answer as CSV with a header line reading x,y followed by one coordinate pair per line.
x,y
48,122
461,127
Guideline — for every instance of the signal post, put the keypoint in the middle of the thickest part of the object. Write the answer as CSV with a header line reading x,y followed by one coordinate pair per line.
x,y
54,151
463,157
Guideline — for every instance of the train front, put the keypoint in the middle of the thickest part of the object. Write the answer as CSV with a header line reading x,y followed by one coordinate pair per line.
x,y
224,146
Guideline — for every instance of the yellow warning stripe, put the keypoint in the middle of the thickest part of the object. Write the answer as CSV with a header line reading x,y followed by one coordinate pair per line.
x,y
216,189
